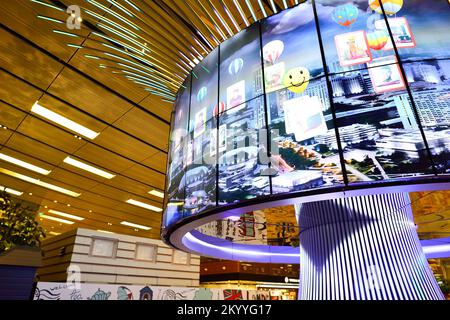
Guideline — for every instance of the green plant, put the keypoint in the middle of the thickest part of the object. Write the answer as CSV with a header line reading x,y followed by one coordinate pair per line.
x,y
18,226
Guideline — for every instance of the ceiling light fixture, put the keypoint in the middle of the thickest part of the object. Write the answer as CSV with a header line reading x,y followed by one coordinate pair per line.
x,y
63,121
143,205
53,233
88,167
104,231
12,191
55,219
39,183
134,225
65,215
23,164
157,193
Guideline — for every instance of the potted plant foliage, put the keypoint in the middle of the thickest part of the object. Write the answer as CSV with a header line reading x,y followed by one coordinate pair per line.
x,y
20,255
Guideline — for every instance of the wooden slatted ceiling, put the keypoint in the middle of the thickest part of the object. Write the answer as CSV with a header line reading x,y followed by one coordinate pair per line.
x,y
36,64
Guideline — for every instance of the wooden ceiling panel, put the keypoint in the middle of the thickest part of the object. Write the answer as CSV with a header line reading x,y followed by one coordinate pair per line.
x,y
133,186
92,98
156,105
10,117
21,17
72,178
140,173
145,126
101,157
17,93
47,133
125,145
35,149
157,161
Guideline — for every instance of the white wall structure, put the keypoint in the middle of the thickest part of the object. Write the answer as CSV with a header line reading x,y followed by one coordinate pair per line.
x,y
90,256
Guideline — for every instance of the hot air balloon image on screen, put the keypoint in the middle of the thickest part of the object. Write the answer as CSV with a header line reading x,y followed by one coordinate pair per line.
x,y
390,6
201,94
235,66
272,51
377,39
345,15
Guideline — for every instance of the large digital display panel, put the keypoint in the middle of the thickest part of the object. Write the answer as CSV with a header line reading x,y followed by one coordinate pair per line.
x,y
304,148
240,68
242,170
290,46
204,92
371,106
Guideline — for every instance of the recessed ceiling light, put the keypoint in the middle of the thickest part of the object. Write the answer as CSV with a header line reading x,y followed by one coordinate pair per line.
x,y
157,193
68,204
54,233
104,231
30,193
12,191
88,167
134,225
39,182
23,164
109,224
90,210
55,219
144,205
63,121
65,215
45,207
55,201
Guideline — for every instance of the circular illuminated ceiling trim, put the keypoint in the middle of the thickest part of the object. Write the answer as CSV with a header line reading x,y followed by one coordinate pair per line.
x,y
183,235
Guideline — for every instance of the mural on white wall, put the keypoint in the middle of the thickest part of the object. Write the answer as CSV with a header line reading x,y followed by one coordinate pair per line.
x,y
92,291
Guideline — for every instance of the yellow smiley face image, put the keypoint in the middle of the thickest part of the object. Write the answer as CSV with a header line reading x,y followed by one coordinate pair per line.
x,y
296,79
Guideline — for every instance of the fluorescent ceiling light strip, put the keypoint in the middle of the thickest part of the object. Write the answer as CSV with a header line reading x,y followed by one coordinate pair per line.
x,y
151,88
47,4
11,191
23,164
75,46
160,94
241,12
436,248
113,13
66,215
120,43
121,8
157,193
206,40
104,231
181,67
231,17
251,10
285,4
39,182
90,56
41,215
118,26
201,45
124,36
50,19
274,8
169,101
135,69
133,5
63,121
89,168
144,205
134,225
66,33
222,20
150,84
168,73
53,233
131,75
263,10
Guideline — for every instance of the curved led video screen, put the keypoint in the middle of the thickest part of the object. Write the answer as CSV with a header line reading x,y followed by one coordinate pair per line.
x,y
325,94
